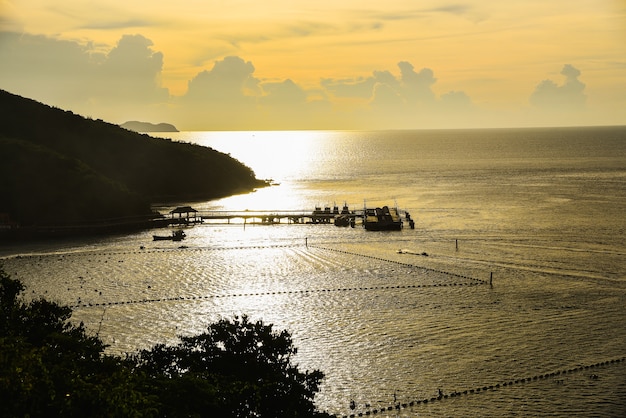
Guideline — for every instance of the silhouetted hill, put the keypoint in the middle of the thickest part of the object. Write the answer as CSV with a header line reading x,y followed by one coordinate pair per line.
x,y
42,187
56,167
137,126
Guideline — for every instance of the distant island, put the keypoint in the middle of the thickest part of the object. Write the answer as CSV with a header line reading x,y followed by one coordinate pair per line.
x,y
137,126
62,171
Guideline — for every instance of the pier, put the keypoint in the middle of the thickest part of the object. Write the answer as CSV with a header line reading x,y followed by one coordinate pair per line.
x,y
276,216
327,215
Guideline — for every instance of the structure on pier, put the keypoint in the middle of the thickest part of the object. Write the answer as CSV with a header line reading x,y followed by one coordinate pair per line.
x,y
190,215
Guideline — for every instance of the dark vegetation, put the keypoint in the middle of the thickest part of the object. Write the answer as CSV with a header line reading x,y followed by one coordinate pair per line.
x,y
57,167
51,368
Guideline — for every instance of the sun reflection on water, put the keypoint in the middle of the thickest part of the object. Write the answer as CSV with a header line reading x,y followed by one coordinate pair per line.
x,y
285,157
280,155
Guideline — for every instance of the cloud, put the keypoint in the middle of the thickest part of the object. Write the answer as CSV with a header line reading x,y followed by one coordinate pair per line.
x,y
123,83
412,88
230,97
117,24
287,104
221,98
404,100
464,10
36,66
131,71
76,76
456,100
286,93
230,80
457,9
568,96
417,87
385,98
350,88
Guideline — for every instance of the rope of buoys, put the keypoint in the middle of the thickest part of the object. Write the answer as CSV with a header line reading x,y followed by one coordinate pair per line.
x,y
466,392
403,264
272,293
147,251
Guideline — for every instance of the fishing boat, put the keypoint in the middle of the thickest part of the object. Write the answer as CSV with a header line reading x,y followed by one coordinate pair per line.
x,y
382,219
177,235
343,220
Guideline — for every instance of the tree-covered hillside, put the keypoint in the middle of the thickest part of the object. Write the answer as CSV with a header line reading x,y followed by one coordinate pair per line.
x,y
41,187
58,167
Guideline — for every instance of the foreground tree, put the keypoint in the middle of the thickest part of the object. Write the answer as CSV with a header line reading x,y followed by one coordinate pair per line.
x,y
246,365
238,368
49,367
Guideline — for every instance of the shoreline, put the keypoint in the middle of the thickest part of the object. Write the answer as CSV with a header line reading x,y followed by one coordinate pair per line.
x,y
38,232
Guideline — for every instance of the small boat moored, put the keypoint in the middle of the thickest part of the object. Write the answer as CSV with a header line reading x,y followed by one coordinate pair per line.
x,y
177,235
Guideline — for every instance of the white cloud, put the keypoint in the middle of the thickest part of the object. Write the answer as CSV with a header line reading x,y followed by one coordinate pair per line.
x,y
75,76
568,96
286,93
417,87
131,72
456,100
359,87
230,80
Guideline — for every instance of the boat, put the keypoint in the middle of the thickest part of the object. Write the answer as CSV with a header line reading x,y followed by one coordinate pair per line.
x,y
177,235
322,216
382,219
342,220
345,218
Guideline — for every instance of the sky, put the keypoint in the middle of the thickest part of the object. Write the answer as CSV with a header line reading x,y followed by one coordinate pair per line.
x,y
284,65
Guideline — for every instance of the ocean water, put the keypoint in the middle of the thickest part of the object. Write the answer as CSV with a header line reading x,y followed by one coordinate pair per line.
x,y
507,299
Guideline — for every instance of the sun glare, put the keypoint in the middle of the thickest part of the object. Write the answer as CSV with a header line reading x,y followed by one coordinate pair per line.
x,y
283,157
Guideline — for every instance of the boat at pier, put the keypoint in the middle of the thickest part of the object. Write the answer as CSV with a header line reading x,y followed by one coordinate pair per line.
x,y
382,219
343,220
322,216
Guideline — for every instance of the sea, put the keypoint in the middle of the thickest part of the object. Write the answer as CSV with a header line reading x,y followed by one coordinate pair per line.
x,y
508,298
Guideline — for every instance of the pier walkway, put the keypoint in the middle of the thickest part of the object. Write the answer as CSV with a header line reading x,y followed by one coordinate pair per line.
x,y
277,216
345,217
189,215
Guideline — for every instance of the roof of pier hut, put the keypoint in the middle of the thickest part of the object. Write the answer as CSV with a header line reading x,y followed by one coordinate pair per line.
x,y
183,209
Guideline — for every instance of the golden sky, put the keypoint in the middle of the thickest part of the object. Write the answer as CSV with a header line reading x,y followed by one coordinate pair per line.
x,y
274,64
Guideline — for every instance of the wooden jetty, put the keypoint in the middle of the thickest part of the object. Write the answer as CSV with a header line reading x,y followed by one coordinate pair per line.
x,y
271,216
327,215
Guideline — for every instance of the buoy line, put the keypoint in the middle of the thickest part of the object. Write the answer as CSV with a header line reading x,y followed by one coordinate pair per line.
x,y
501,385
148,251
473,282
274,293
480,281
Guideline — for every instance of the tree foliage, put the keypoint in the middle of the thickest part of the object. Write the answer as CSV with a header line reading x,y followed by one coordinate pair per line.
x,y
247,364
237,368
51,368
